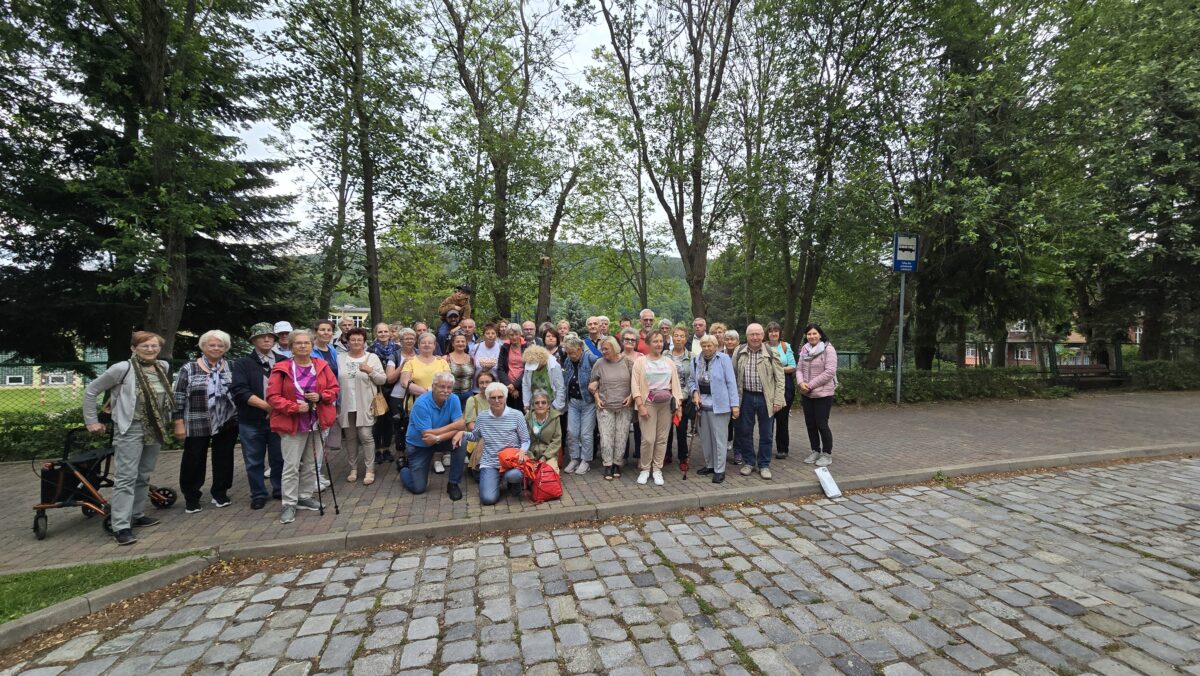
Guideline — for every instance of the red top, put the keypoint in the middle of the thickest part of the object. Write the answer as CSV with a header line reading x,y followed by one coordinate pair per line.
x,y
283,397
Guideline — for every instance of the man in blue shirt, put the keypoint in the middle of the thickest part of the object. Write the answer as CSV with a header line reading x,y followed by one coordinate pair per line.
x,y
435,417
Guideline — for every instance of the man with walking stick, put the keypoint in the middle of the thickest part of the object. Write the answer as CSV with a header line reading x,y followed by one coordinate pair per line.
x,y
302,392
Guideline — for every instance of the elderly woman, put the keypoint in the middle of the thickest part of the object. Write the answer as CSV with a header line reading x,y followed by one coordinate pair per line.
x,y
664,327
730,341
714,392
581,405
140,400
629,345
205,415
384,347
416,378
682,356
477,404
302,392
499,427
610,385
360,373
397,401
656,392
542,372
510,366
545,432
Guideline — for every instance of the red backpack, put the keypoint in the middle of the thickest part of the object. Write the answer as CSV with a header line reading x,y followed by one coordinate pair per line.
x,y
542,482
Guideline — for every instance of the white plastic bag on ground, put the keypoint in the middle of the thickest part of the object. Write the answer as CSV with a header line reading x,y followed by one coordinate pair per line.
x,y
828,485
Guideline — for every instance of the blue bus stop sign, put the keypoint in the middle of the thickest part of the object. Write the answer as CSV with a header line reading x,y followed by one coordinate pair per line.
x,y
904,252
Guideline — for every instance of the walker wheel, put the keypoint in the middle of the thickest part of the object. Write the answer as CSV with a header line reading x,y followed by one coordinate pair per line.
x,y
39,524
87,511
163,498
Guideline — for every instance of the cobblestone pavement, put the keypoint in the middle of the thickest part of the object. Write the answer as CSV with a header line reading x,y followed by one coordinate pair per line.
x,y
1089,570
872,440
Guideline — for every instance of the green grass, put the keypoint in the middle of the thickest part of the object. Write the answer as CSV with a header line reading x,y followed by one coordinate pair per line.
x,y
29,399
24,593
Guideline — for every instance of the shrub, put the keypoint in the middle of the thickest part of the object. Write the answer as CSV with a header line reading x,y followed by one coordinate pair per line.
x,y
1164,375
28,436
862,386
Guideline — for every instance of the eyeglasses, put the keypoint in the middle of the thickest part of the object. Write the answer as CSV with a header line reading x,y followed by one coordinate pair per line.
x,y
500,397
629,340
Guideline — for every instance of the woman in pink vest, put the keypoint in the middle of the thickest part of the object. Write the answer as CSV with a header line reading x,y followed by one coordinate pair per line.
x,y
816,378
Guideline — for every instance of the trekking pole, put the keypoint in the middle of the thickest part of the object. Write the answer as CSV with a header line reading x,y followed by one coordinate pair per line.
x,y
317,469
329,473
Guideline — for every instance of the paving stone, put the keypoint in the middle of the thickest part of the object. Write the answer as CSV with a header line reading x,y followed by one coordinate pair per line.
x,y
418,653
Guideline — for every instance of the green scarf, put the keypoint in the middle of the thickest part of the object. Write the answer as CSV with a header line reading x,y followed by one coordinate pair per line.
x,y
156,418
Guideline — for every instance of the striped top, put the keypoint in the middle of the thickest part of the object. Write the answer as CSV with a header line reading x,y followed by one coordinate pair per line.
x,y
507,430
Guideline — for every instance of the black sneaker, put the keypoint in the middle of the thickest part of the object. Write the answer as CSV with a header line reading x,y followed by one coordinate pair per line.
x,y
781,455
705,471
718,477
454,491
144,521
258,503
125,536
387,457
516,490
193,508
221,500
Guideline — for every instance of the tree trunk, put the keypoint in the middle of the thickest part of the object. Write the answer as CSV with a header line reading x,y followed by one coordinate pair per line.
x,y
546,266
1000,348
374,296
164,311
883,337
334,265
499,236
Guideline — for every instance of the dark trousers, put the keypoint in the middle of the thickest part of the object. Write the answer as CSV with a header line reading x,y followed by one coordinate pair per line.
x,y
195,458
754,408
415,477
816,420
636,451
677,440
398,410
383,430
261,447
782,440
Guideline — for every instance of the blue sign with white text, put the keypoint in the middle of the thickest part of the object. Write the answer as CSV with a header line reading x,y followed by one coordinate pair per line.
x,y
904,252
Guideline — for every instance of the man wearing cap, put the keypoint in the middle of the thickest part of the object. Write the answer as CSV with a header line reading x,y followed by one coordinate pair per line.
x,y
249,389
449,322
283,331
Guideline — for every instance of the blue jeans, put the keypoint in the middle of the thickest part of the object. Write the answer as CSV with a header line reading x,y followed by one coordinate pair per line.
x,y
581,420
415,476
754,406
489,483
259,445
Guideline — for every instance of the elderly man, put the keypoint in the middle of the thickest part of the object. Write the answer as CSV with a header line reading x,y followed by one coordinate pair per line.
x,y
249,389
344,326
602,322
435,418
283,333
699,327
529,333
592,340
646,318
467,326
760,386
450,322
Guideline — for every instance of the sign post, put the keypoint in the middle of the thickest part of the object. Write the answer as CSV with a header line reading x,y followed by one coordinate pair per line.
x,y
904,261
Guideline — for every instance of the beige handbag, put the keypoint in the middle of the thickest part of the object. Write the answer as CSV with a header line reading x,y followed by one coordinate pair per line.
x,y
379,405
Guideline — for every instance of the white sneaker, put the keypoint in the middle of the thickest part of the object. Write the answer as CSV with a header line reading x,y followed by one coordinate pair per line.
x,y
582,469
571,466
644,477
825,460
267,472
446,460
438,467
658,480
812,457
323,483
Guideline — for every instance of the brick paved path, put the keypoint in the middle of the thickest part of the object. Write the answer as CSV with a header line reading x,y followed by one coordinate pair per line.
x,y
1088,570
867,441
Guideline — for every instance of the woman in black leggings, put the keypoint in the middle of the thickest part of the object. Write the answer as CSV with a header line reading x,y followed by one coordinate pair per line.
x,y
816,381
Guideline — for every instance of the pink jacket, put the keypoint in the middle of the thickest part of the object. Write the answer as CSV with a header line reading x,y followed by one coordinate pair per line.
x,y
819,372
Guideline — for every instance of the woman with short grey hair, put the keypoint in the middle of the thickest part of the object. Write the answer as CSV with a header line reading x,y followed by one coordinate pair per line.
x,y
206,416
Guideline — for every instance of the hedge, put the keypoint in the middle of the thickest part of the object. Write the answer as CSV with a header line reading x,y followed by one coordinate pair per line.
x,y
27,435
861,386
1164,375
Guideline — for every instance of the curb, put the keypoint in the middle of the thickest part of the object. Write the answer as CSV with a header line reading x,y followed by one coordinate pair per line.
x,y
15,631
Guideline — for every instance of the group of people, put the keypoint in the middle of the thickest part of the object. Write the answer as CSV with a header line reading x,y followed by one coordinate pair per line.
x,y
457,398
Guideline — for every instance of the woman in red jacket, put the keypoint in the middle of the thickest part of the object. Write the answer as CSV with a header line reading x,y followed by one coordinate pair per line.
x,y
302,392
